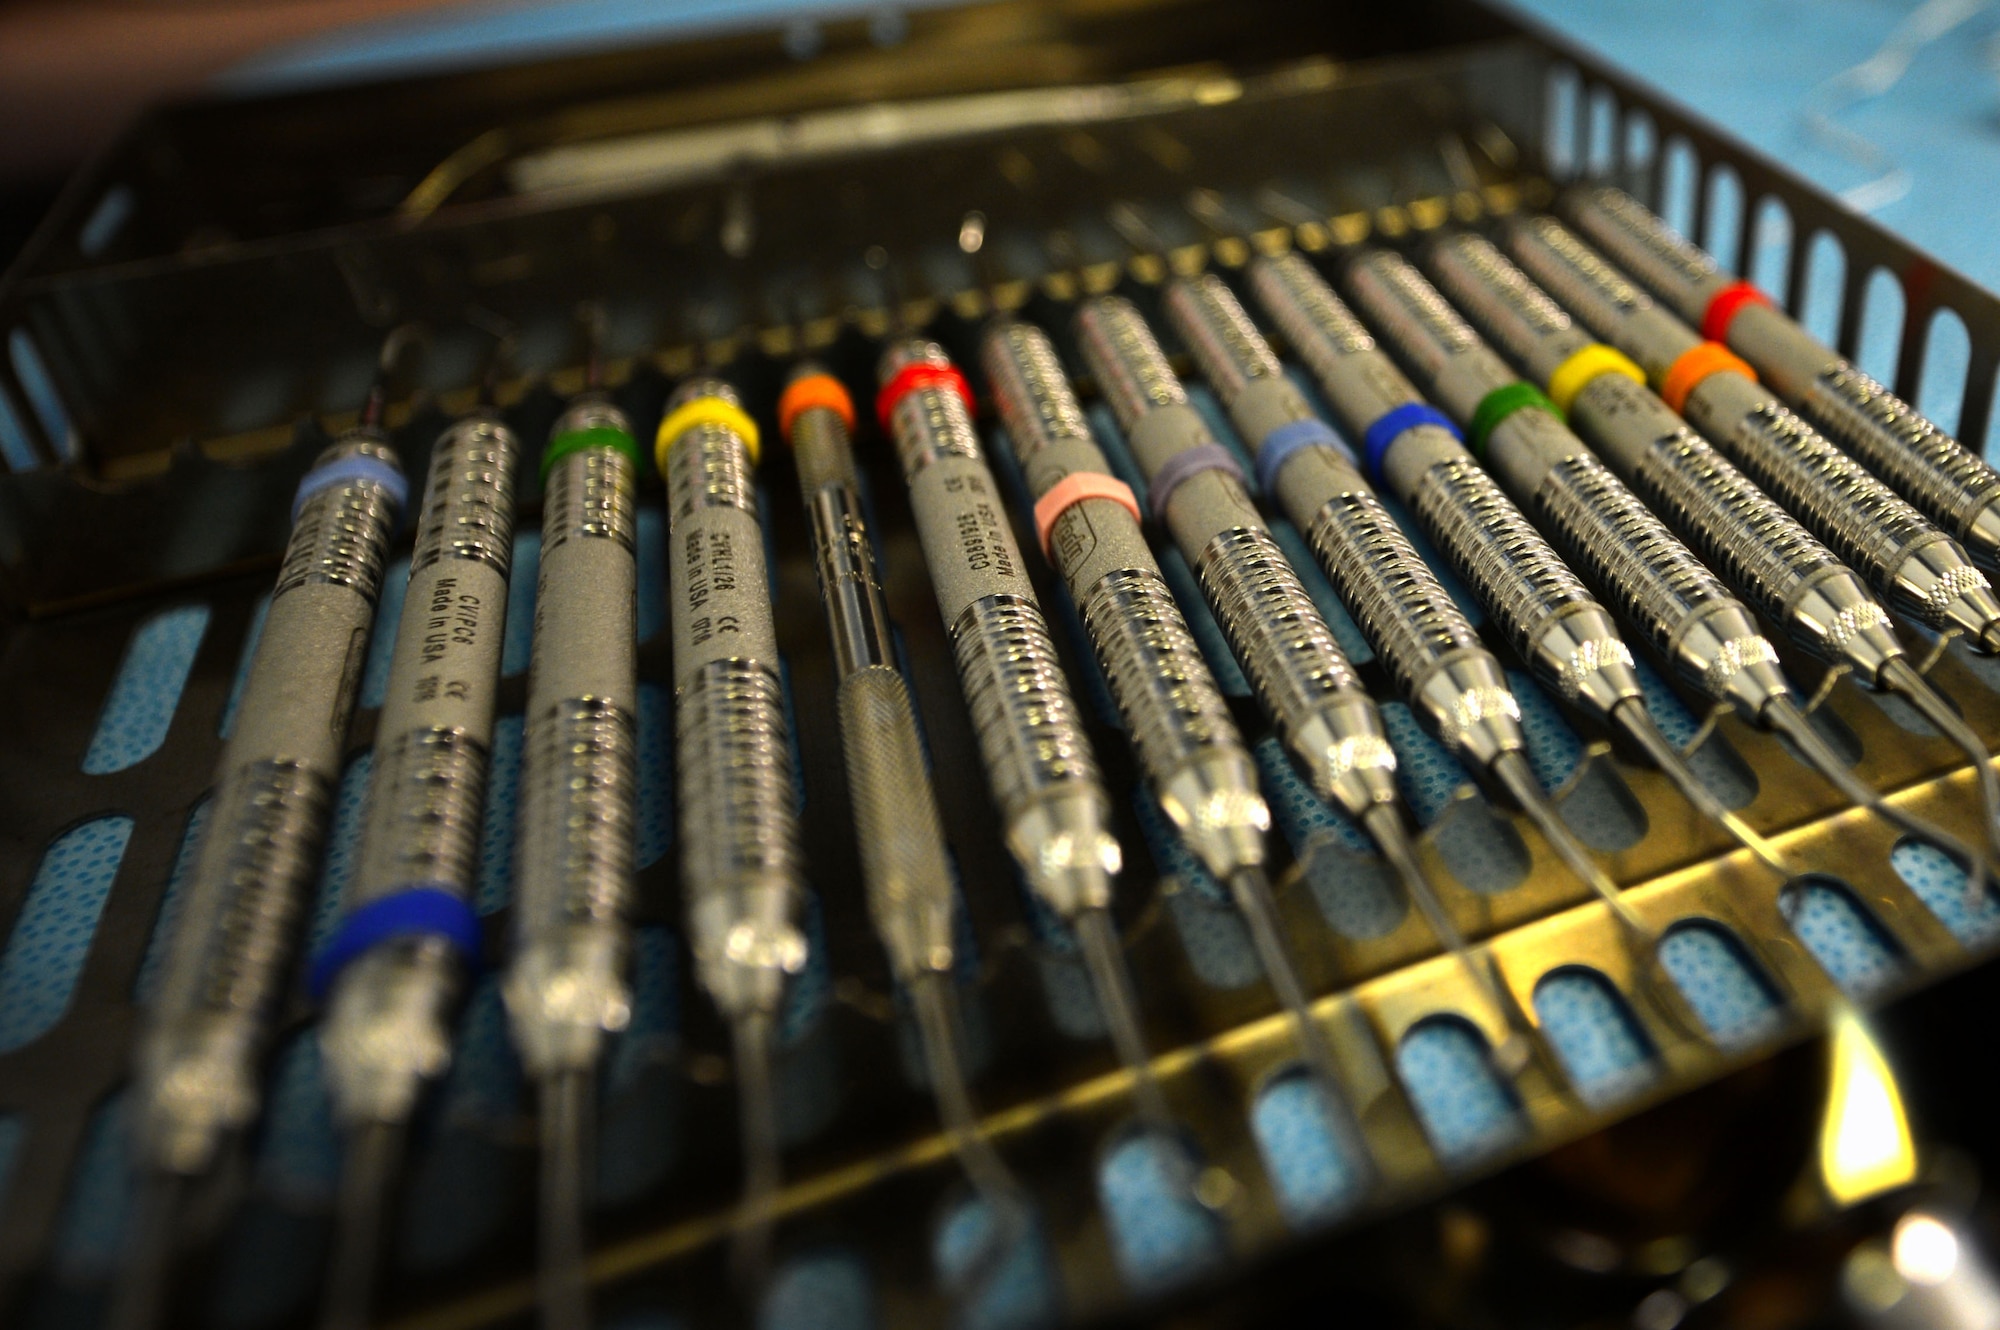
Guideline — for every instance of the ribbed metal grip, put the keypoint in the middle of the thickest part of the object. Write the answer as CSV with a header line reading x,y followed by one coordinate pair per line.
x,y
1132,372
1293,662
1032,390
1829,491
1664,259
1400,605
1929,467
574,856
1735,526
1019,698
341,537
1157,675
1321,330
1418,321
197,1059
1512,570
1276,631
1231,352
740,861
1651,578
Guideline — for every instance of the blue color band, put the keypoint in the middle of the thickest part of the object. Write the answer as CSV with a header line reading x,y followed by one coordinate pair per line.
x,y
1392,425
354,466
1282,442
1184,466
414,911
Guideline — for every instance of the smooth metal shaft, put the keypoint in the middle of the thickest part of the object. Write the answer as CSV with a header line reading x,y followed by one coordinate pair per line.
x,y
1949,482
562,1285
742,871
1901,678
368,1170
1637,724
1784,717
1922,572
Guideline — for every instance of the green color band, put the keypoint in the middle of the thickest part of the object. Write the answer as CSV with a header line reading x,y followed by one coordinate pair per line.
x,y
602,436
1501,403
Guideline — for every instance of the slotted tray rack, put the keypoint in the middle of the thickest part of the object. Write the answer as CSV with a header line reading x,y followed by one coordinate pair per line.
x,y
201,311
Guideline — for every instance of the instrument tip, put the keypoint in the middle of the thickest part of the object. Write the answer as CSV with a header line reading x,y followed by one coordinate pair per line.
x,y
139,1301
563,1284
373,1150
1784,717
1385,825
1637,723
750,1252
1112,981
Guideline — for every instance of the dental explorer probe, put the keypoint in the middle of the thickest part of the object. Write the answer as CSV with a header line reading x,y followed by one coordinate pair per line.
x,y
742,874
1569,641
1792,579
1450,679
392,971
566,988
1037,761
1950,483
1088,525
1918,569
1683,610
1326,719
1024,791
199,1053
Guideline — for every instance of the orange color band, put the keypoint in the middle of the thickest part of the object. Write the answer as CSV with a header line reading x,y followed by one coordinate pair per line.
x,y
815,390
1695,364
1073,489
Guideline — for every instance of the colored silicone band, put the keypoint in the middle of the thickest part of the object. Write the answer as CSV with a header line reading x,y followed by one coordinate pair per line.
x,y
419,911
343,470
1725,305
576,440
1695,364
910,378
1501,403
1394,424
704,411
809,393
1073,489
1575,374
1184,466
1281,443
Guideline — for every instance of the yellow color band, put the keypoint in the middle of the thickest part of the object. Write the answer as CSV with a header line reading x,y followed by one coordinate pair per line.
x,y
704,411
1574,374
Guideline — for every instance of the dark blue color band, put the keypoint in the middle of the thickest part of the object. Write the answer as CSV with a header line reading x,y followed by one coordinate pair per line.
x,y
428,911
1386,430
1183,466
1282,442
355,466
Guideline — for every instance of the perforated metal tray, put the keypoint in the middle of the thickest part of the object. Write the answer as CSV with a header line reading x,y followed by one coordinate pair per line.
x,y
202,308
